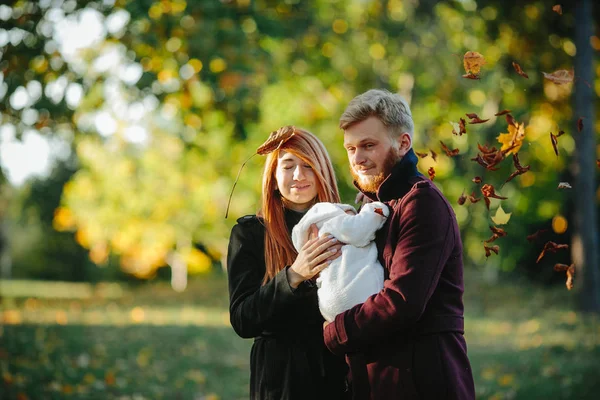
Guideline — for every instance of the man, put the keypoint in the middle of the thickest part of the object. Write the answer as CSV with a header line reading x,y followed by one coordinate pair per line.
x,y
405,342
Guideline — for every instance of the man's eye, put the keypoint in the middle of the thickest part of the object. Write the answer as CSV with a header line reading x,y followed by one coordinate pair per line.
x,y
369,145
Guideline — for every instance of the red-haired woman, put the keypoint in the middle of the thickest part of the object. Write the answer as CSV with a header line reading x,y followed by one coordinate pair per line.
x,y
272,296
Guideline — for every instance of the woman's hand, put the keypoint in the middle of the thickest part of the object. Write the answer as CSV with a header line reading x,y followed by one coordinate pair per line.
x,y
313,257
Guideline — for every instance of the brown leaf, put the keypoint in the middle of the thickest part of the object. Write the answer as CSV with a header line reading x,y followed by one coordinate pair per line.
x,y
502,113
534,236
422,155
471,115
462,198
520,169
488,191
580,124
433,155
471,76
557,9
488,250
560,77
554,140
560,133
461,125
449,153
511,120
487,202
431,173
598,163
276,139
517,68
477,180
551,247
473,199
476,120
496,233
570,272
472,61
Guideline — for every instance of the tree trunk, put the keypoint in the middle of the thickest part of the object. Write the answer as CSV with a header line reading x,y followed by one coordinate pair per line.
x,y
584,248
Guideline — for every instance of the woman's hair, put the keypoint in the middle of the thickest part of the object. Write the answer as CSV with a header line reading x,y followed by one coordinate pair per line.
x,y
389,108
279,249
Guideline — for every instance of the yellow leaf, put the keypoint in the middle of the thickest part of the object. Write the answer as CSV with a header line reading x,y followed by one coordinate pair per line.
x,y
501,217
472,61
512,140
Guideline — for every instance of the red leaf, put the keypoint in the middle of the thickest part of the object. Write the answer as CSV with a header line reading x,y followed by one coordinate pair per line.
x,y
431,173
517,68
488,191
477,180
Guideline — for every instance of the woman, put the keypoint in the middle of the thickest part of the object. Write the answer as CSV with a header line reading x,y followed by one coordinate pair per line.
x,y
272,296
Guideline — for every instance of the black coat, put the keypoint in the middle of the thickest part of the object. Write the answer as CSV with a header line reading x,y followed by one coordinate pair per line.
x,y
288,359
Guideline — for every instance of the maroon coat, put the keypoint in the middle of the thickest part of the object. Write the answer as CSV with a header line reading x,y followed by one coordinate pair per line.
x,y
406,342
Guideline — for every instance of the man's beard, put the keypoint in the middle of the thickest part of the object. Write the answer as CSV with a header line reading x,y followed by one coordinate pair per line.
x,y
370,184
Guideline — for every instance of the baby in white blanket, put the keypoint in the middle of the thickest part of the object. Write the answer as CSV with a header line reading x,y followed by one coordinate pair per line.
x,y
357,274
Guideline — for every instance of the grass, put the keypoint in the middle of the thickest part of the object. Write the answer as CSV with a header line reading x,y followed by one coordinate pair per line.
x,y
148,342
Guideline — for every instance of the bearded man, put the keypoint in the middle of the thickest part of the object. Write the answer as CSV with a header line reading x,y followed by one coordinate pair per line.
x,y
405,342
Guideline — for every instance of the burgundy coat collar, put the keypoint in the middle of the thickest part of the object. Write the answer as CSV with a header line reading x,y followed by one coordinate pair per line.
x,y
399,182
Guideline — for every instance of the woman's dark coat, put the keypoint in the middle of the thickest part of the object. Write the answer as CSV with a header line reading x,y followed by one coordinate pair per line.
x,y
406,342
288,360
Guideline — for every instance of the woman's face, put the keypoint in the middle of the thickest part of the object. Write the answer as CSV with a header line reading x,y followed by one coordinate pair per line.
x,y
296,181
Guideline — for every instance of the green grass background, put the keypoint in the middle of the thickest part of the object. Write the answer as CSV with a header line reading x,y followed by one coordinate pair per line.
x,y
148,342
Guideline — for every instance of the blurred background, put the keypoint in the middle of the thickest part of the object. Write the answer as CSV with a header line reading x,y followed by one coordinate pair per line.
x,y
123,126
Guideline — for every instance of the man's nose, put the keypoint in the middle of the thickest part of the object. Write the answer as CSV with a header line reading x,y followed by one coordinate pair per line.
x,y
358,157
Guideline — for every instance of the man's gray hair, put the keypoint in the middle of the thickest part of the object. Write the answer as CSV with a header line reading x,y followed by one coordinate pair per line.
x,y
390,108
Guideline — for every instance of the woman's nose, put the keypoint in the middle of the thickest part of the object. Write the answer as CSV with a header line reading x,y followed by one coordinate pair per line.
x,y
298,173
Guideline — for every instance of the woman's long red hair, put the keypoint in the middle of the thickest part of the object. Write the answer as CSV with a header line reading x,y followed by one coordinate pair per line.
x,y
279,249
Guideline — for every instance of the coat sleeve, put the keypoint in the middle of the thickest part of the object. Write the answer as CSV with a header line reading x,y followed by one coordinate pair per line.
x,y
424,244
252,306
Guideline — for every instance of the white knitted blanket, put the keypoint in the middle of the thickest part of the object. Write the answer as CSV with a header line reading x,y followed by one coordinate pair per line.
x,y
356,275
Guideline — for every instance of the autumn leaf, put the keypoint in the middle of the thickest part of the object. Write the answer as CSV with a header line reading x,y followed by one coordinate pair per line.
x,y
560,77
511,120
472,61
433,155
488,192
520,169
580,124
598,163
557,9
501,217
431,173
554,140
473,199
276,139
551,247
534,236
459,128
517,68
422,155
488,250
564,185
570,270
449,153
513,140
462,198
496,233
503,112
475,119
477,180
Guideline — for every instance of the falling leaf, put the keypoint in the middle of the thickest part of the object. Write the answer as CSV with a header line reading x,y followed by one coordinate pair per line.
x,y
534,236
489,157
488,192
433,155
422,155
554,140
477,180
513,140
472,61
598,163
517,68
501,217
496,233
551,247
476,120
511,120
560,133
431,173
580,124
471,76
564,185
560,77
570,270
557,9
462,198
502,113
520,169
488,250
449,153
459,128
472,198
471,115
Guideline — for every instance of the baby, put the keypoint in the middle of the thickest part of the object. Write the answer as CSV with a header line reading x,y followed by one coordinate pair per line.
x,y
357,274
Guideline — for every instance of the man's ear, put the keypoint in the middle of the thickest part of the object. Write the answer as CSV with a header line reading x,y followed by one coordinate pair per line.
x,y
404,144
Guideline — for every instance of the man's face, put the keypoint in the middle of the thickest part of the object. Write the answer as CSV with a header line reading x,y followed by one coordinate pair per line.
x,y
372,153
